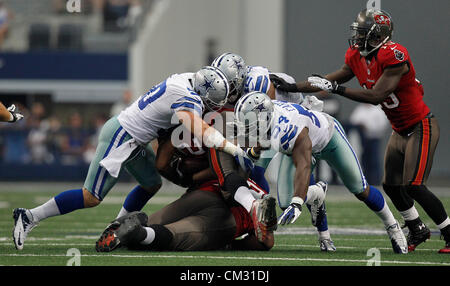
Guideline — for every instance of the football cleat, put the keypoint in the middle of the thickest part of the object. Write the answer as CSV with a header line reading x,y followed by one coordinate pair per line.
x,y
327,245
445,233
22,226
264,217
318,210
108,240
418,233
398,239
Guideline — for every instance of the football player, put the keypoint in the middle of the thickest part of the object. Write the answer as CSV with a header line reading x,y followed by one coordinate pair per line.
x,y
10,114
385,71
244,79
291,129
123,144
200,219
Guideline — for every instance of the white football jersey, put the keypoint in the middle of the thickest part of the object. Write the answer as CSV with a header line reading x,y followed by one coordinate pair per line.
x,y
257,79
154,111
290,119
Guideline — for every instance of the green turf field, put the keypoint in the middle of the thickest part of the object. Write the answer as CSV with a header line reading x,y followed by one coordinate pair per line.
x,y
356,231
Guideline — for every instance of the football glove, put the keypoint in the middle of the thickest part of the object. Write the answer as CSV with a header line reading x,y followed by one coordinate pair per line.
x,y
326,85
16,116
291,214
281,84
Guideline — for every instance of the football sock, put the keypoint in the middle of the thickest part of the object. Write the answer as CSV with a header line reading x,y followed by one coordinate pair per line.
x,y
375,201
135,201
150,236
429,202
244,197
63,203
324,234
444,224
409,214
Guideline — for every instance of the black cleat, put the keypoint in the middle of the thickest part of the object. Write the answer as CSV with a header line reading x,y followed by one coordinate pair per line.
x,y
418,233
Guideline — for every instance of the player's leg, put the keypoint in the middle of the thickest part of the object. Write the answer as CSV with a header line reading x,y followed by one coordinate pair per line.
x,y
394,188
340,155
419,154
202,221
97,185
141,166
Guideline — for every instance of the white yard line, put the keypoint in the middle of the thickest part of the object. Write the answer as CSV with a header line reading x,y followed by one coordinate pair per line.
x,y
233,258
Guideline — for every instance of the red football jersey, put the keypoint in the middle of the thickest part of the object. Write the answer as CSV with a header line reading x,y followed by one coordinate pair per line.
x,y
405,107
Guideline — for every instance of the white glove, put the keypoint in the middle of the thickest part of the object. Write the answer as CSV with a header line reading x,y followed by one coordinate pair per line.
x,y
321,83
313,103
16,116
291,214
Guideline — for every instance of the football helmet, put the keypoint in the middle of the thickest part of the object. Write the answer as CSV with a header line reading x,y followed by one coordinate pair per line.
x,y
233,66
371,29
253,113
211,85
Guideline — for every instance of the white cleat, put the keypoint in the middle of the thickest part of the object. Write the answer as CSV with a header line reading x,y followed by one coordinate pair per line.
x,y
327,245
22,226
398,239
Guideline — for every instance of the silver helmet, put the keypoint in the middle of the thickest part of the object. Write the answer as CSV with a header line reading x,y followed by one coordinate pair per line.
x,y
212,86
253,113
233,66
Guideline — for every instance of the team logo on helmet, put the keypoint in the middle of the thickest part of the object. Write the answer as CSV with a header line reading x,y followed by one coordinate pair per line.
x,y
208,84
382,19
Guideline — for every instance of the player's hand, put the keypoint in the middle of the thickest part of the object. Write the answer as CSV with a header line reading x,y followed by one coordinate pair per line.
x,y
324,84
291,214
16,116
281,84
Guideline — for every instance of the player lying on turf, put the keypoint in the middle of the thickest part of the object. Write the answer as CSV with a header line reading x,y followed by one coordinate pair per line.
x,y
243,79
201,219
10,114
385,71
291,129
124,144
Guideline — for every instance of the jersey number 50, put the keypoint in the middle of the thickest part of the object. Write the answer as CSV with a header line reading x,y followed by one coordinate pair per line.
x,y
153,94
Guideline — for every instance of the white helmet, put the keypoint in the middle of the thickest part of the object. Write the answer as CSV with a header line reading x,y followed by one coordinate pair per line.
x,y
212,86
233,66
254,112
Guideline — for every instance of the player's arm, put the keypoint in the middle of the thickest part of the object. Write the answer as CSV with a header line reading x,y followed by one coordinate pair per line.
x,y
207,134
250,242
385,85
301,156
342,75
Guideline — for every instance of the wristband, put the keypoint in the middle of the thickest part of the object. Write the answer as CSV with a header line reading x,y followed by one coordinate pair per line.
x,y
339,90
297,200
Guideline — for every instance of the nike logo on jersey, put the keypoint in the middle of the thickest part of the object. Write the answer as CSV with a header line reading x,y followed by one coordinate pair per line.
x,y
393,48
